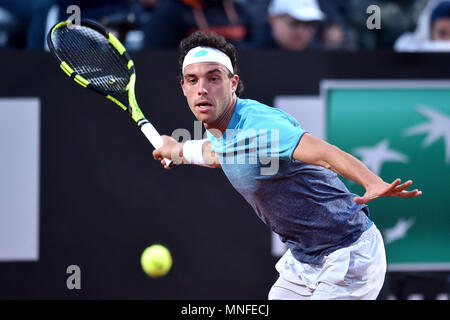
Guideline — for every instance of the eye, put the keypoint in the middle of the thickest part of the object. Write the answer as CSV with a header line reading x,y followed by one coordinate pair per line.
x,y
191,81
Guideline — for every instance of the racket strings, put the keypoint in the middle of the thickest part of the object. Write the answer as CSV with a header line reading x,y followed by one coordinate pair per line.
x,y
91,56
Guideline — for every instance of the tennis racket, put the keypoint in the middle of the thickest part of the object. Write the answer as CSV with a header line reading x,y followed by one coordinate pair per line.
x,y
95,59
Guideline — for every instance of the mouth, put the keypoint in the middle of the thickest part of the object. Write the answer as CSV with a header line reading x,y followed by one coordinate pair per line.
x,y
204,106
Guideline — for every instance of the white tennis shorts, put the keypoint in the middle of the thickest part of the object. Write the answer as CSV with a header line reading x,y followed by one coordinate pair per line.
x,y
353,273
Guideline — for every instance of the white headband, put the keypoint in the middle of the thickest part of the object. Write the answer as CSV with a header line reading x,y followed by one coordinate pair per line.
x,y
207,54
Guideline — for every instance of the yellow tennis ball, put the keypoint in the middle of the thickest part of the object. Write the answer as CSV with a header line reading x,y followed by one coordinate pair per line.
x,y
156,260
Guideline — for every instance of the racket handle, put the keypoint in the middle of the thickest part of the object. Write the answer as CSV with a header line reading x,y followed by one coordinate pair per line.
x,y
155,139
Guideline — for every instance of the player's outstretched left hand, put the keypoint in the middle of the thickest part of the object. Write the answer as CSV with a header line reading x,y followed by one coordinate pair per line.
x,y
384,189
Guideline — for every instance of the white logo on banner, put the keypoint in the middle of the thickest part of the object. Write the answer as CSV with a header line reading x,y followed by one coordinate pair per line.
x,y
437,127
375,156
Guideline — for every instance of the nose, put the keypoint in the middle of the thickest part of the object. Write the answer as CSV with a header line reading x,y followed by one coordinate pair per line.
x,y
202,89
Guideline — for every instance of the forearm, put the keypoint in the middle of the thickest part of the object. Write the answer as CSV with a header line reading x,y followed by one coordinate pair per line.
x,y
349,167
315,151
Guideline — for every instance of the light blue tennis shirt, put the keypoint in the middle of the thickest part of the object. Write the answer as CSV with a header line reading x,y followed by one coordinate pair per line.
x,y
308,206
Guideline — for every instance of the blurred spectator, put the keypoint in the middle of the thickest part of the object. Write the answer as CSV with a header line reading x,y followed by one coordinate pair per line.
x,y
29,18
118,16
143,12
440,22
175,19
397,17
335,33
27,21
257,10
292,25
432,32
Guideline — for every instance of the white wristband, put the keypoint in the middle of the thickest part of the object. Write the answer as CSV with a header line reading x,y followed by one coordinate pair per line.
x,y
192,152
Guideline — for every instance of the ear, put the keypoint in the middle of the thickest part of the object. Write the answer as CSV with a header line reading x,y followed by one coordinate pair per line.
x,y
182,87
234,82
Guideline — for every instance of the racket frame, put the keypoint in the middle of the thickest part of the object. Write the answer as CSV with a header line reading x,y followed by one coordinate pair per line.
x,y
131,105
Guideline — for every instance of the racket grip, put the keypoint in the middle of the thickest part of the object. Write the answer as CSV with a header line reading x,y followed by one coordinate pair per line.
x,y
155,139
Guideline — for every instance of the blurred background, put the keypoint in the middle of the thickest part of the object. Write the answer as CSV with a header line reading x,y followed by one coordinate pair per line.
x,y
79,186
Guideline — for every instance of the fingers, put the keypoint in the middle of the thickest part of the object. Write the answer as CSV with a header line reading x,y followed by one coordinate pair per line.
x,y
395,184
156,154
403,186
359,200
394,189
400,190
167,167
409,194
365,199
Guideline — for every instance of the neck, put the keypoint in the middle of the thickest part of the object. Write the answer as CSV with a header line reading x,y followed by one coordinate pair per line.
x,y
218,127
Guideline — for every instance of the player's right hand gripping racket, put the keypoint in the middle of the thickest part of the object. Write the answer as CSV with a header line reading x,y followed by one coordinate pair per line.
x,y
94,58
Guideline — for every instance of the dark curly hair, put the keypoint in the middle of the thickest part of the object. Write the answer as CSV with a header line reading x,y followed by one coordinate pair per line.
x,y
212,40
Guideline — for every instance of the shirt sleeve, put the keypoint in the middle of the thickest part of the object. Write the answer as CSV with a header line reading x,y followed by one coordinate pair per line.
x,y
279,133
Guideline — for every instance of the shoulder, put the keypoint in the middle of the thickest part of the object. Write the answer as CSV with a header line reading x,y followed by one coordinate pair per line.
x,y
249,107
258,114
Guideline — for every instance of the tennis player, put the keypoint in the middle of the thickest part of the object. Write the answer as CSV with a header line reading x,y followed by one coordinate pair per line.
x,y
288,176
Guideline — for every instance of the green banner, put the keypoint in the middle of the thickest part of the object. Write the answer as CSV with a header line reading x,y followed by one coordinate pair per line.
x,y
400,130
